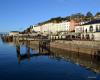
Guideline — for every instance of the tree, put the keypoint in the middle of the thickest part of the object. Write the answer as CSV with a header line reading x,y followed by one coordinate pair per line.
x,y
31,26
89,16
67,18
77,16
97,14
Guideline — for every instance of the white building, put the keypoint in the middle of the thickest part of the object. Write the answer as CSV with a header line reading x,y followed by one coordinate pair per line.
x,y
13,33
89,30
36,28
55,27
46,28
79,29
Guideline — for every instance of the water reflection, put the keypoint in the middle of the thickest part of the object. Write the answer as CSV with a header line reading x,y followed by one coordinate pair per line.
x,y
29,52
80,59
22,56
84,60
87,61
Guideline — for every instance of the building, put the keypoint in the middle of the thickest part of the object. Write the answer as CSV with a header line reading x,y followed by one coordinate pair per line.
x,y
73,24
89,30
36,28
54,28
92,26
46,28
97,17
79,28
13,33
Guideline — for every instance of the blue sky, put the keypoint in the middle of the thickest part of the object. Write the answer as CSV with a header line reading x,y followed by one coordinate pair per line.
x,y
20,14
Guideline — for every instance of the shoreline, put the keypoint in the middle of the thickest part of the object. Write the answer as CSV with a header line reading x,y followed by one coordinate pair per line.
x,y
82,47
87,47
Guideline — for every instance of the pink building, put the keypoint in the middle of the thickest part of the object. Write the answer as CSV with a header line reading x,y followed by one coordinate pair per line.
x,y
73,24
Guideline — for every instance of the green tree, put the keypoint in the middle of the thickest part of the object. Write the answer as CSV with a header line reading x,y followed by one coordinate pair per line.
x,y
77,16
97,14
67,18
89,16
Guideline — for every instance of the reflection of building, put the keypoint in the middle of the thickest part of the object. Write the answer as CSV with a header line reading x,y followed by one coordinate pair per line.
x,y
88,61
79,59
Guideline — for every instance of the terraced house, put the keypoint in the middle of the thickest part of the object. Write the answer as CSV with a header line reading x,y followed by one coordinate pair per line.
x,y
90,30
53,28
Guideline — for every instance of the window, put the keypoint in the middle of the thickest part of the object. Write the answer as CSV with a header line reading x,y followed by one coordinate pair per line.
x,y
86,30
91,28
97,29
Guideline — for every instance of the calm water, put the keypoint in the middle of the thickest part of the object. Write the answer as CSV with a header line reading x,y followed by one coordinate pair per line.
x,y
28,64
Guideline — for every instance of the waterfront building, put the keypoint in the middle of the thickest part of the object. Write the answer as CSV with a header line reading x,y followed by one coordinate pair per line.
x,y
97,16
13,33
79,28
73,24
46,28
92,26
36,28
54,28
89,30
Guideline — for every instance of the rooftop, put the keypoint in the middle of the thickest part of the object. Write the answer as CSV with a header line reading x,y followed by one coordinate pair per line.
x,y
92,22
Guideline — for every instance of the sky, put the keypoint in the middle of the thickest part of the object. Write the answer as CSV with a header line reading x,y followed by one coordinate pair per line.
x,y
17,15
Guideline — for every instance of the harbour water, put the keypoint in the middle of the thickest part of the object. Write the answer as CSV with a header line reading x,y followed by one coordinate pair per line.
x,y
20,62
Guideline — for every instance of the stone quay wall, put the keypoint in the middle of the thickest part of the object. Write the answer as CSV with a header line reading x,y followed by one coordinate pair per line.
x,y
88,47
